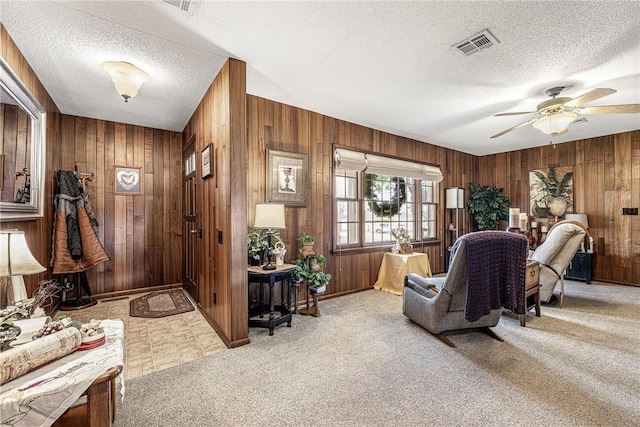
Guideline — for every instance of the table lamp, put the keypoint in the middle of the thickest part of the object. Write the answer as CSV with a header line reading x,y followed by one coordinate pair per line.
x,y
271,217
16,260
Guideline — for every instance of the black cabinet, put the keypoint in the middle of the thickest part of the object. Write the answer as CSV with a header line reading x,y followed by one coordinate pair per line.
x,y
580,267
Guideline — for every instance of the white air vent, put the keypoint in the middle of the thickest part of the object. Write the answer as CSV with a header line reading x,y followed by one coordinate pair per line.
x,y
477,42
185,5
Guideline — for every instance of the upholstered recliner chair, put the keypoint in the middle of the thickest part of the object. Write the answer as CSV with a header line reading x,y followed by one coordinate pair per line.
x,y
486,273
555,254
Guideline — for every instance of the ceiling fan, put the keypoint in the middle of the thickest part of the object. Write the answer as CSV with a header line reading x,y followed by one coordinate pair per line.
x,y
554,116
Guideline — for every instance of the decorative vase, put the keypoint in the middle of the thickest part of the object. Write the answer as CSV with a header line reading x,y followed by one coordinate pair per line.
x,y
279,252
557,206
318,290
541,212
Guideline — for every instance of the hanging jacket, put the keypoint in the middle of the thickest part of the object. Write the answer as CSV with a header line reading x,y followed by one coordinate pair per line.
x,y
76,246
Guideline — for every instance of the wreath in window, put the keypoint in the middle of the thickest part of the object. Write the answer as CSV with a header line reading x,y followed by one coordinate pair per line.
x,y
390,208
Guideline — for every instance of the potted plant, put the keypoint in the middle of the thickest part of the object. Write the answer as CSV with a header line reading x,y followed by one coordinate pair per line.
x,y
305,243
311,271
257,244
556,190
488,205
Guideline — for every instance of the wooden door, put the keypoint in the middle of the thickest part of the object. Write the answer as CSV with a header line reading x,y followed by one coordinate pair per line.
x,y
192,235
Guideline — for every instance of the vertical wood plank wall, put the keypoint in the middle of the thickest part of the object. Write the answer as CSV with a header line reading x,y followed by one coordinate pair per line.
x,y
283,127
607,178
142,234
37,232
220,119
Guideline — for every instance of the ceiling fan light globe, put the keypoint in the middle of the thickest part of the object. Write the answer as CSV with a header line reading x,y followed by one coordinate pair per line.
x,y
555,124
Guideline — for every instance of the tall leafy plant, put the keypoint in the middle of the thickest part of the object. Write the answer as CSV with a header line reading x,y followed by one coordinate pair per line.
x,y
488,205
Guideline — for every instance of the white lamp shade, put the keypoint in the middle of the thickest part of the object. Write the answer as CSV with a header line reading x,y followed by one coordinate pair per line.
x,y
555,124
581,218
454,198
127,78
269,215
15,256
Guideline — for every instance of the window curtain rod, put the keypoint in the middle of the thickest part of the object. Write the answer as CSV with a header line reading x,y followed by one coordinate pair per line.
x,y
370,163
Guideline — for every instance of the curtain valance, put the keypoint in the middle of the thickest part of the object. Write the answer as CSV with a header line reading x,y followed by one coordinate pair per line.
x,y
370,163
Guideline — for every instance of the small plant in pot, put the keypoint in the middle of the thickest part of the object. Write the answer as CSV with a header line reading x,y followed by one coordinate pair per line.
x,y
311,271
305,243
257,244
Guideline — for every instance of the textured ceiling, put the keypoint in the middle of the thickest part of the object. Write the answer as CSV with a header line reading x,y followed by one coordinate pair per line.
x,y
386,65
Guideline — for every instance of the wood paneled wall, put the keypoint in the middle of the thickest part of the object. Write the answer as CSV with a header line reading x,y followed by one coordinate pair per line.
x,y
283,127
607,178
37,232
220,119
142,234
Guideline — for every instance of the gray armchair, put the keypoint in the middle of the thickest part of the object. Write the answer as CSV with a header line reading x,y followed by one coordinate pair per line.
x,y
486,273
555,254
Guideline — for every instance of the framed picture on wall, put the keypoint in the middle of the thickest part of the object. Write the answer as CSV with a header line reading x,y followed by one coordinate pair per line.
x,y
287,178
128,180
207,161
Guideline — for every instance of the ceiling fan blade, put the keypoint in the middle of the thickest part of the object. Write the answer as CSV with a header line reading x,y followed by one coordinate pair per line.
x,y
514,127
610,109
590,96
517,113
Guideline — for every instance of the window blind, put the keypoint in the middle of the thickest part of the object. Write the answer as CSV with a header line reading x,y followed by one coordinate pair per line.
x,y
370,163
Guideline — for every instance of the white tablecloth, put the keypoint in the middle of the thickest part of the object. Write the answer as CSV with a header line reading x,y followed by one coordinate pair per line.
x,y
43,395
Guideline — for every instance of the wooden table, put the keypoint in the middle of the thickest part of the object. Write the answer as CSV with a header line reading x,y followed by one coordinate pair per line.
x,y
43,395
531,287
100,408
283,274
395,267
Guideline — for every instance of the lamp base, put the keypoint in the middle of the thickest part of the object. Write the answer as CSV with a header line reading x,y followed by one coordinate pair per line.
x,y
269,267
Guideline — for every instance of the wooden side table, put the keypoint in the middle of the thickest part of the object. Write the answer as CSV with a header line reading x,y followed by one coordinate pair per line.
x,y
282,274
532,287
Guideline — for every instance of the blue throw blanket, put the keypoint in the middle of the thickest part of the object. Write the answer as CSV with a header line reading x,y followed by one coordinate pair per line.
x,y
496,265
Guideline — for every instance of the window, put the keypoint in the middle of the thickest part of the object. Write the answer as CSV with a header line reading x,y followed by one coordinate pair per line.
x,y
348,208
369,205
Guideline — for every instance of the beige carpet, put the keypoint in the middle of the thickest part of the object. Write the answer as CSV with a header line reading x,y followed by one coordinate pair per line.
x,y
364,364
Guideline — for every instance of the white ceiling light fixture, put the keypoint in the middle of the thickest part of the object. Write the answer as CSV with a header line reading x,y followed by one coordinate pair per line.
x,y
555,124
127,78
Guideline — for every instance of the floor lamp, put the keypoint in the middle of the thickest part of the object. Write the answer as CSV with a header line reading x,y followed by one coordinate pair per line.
x,y
271,217
16,261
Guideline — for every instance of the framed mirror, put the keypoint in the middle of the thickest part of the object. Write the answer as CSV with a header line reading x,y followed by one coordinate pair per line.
x,y
22,150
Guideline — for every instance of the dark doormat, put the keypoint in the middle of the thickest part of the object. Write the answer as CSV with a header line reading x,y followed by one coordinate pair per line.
x,y
160,304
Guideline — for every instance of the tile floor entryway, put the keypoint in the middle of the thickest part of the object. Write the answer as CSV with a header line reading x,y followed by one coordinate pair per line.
x,y
154,344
